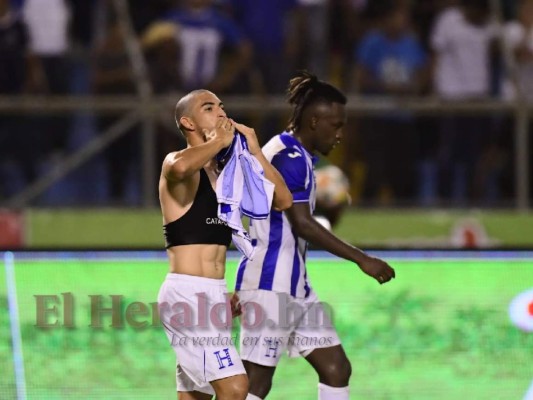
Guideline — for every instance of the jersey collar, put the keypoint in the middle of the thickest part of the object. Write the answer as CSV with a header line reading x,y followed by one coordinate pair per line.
x,y
290,134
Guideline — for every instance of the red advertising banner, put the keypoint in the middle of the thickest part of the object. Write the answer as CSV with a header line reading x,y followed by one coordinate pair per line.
x,y
11,229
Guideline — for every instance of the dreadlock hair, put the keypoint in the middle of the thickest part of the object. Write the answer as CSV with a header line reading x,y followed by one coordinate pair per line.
x,y
306,89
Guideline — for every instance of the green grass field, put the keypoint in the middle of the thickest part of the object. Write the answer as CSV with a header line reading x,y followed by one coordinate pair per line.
x,y
390,228
439,331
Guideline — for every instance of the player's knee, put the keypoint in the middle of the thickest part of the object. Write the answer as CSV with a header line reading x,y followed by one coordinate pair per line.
x,y
336,374
260,378
260,388
236,389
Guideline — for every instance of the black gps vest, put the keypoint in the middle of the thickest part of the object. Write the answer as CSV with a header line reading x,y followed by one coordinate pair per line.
x,y
200,224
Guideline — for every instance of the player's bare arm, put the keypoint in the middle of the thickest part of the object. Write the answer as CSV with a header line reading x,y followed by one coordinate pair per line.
x,y
309,229
180,165
282,195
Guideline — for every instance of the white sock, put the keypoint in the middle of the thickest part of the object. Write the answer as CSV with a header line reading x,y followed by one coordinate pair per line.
x,y
326,392
252,397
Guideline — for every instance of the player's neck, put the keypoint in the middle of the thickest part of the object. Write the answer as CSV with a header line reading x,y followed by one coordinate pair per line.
x,y
305,141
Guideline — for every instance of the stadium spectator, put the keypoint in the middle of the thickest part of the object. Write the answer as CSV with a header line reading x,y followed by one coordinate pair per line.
x,y
271,26
518,36
390,60
160,42
48,23
204,34
314,27
461,40
83,22
143,13
111,74
273,29
90,17
424,13
20,72
459,158
162,51
350,24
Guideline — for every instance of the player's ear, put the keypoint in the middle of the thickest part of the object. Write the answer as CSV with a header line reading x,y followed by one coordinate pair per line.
x,y
313,122
186,123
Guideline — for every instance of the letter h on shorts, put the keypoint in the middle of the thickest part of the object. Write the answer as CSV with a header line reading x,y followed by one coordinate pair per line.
x,y
272,347
222,359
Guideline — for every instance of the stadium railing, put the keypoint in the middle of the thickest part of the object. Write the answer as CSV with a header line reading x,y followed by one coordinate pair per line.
x,y
149,109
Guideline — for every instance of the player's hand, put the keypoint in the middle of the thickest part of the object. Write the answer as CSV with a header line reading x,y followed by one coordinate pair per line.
x,y
224,130
377,269
251,138
235,303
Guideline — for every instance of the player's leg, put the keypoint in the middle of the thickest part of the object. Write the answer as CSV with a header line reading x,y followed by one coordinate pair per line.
x,y
333,369
194,396
234,387
259,378
223,367
188,390
231,388
316,339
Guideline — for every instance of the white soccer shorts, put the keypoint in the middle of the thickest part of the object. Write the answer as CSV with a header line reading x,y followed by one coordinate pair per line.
x,y
274,322
196,315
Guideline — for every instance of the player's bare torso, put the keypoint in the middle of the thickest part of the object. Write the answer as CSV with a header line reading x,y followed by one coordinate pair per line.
x,y
176,198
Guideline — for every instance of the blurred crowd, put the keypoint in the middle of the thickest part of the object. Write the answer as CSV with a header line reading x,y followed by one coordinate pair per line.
x,y
452,49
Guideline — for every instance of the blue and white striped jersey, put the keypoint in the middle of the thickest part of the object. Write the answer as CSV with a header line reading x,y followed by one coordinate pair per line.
x,y
279,260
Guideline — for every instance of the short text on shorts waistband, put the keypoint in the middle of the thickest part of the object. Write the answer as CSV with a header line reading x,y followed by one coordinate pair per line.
x,y
195,279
